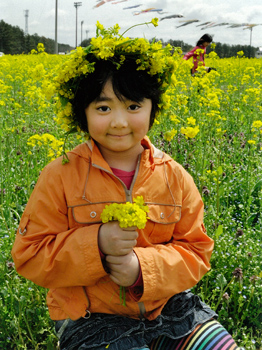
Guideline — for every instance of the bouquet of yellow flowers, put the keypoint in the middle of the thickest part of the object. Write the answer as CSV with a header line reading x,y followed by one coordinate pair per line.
x,y
128,215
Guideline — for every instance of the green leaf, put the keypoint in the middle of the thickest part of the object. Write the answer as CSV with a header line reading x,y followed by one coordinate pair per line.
x,y
251,218
220,170
219,231
257,187
221,280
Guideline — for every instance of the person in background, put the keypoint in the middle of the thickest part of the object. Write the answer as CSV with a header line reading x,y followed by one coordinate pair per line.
x,y
198,53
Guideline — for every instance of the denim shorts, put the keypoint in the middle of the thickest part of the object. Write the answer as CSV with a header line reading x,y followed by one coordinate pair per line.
x,y
180,316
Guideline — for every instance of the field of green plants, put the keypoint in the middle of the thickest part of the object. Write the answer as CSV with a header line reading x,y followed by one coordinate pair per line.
x,y
215,132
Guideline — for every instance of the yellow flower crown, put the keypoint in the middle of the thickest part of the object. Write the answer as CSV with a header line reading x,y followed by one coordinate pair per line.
x,y
110,45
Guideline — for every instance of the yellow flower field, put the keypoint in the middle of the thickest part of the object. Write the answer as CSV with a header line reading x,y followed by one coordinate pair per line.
x,y
213,128
27,85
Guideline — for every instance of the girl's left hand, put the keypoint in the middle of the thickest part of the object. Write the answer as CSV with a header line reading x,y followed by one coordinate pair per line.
x,y
124,269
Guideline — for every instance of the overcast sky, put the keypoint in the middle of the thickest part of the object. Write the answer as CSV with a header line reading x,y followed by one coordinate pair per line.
x,y
41,18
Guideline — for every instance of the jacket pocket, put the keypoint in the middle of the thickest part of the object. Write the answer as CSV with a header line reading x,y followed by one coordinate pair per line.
x,y
87,214
165,214
161,223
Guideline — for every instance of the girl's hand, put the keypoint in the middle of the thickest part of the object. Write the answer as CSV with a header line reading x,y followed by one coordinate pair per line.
x,y
124,270
114,240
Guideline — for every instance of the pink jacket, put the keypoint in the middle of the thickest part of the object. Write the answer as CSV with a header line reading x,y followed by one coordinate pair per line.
x,y
196,56
57,240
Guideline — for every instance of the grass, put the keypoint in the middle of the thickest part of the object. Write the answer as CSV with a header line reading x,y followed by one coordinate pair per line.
x,y
224,158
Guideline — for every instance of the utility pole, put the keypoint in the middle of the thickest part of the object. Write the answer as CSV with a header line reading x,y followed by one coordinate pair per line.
x,y
56,44
251,28
26,21
87,34
82,22
77,4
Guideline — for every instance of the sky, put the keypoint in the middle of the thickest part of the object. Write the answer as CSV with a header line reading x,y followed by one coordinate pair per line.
x,y
41,19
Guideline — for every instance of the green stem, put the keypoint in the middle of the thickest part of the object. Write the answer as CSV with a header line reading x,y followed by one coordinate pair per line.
x,y
122,295
222,293
135,25
18,325
32,340
217,203
246,309
3,215
218,195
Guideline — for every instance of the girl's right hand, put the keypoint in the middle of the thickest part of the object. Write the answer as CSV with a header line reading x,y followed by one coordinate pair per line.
x,y
114,240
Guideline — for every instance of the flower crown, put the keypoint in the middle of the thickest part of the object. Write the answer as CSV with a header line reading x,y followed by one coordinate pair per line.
x,y
110,45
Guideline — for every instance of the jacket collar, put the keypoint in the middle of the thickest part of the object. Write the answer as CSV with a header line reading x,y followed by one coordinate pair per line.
x,y
96,156
151,155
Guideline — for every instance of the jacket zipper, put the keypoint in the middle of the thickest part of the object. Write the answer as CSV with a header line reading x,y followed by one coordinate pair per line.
x,y
128,193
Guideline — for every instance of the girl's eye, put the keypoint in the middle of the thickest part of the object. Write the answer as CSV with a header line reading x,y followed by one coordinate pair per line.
x,y
133,107
103,109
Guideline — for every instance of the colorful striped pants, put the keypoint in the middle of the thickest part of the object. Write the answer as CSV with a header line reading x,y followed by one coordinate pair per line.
x,y
207,336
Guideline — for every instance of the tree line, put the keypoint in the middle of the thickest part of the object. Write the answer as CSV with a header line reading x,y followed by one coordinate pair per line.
x,y
222,50
14,41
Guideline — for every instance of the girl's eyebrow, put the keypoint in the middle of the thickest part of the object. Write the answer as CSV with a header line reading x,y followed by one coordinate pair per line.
x,y
103,98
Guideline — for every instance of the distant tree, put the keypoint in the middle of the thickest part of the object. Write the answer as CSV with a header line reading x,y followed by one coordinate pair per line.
x,y
180,43
49,44
85,42
64,48
225,50
14,41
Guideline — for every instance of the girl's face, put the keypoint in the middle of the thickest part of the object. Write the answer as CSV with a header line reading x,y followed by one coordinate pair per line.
x,y
118,126
206,43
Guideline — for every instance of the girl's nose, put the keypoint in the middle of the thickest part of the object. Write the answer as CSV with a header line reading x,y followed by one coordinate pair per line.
x,y
119,120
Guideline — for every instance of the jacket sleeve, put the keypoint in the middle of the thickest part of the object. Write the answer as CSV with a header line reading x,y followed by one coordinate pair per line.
x,y
171,268
189,54
46,251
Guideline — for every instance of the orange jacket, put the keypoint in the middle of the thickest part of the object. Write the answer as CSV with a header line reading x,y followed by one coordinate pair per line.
x,y
56,243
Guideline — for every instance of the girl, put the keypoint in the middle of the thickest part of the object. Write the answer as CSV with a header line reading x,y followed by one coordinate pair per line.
x,y
198,53
113,90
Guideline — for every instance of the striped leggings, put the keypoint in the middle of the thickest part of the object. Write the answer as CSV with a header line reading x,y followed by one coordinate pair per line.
x,y
207,336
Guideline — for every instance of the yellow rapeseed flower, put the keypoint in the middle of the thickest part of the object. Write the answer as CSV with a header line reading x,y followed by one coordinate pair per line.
x,y
169,135
127,214
257,124
191,121
154,21
190,132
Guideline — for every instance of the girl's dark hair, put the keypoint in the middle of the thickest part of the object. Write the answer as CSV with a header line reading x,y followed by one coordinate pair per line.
x,y
127,82
205,38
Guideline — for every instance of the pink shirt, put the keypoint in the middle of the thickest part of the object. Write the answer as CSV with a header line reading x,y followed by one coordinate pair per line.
x,y
127,177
